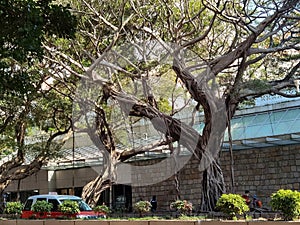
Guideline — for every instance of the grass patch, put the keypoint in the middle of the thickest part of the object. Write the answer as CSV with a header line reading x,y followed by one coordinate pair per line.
x,y
156,218
147,218
191,217
113,218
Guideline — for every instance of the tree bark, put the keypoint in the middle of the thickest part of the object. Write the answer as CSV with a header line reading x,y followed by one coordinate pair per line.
x,y
213,186
91,192
15,170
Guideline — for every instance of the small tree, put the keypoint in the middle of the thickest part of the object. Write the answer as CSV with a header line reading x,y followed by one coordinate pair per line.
x,y
142,207
288,202
232,205
182,206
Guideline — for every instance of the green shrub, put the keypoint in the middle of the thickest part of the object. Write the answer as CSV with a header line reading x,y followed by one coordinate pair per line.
x,y
288,202
13,208
232,205
102,209
182,206
142,207
42,206
69,207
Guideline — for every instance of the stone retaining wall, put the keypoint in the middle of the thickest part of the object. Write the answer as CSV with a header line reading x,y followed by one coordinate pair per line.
x,y
262,171
189,184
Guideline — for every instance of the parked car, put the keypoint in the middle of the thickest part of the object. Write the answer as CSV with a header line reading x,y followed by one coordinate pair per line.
x,y
86,211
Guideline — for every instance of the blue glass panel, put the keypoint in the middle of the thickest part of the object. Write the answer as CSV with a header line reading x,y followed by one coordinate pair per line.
x,y
265,124
277,116
290,114
261,119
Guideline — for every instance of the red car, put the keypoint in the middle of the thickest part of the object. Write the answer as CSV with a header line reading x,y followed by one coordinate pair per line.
x,y
85,210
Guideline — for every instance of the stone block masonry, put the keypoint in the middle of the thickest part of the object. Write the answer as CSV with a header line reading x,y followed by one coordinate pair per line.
x,y
262,171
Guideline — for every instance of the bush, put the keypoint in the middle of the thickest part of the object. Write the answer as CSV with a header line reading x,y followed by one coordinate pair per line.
x,y
232,205
41,209
288,202
182,206
142,207
13,208
69,207
42,206
102,209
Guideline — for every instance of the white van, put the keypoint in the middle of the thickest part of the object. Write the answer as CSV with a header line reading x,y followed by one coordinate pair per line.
x,y
85,210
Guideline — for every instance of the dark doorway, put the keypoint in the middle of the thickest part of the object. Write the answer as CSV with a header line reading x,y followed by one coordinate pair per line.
x,y
121,198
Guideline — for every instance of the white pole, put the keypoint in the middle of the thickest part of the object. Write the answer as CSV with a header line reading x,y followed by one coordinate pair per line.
x,y
297,83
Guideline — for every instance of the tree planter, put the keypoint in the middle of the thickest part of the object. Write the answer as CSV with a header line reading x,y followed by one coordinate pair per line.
x,y
41,215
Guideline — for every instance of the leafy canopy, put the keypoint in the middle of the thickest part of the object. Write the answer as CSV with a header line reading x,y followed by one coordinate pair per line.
x,y
25,22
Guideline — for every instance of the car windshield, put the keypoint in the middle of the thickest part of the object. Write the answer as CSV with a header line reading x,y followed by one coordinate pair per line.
x,y
82,205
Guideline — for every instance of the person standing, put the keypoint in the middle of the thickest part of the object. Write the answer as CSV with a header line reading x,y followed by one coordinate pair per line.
x,y
153,203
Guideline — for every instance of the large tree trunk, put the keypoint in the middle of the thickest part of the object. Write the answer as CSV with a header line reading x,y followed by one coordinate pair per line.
x,y
206,147
213,186
91,192
215,124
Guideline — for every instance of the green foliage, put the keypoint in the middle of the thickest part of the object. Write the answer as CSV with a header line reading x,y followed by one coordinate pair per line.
x,y
25,22
232,205
24,26
257,85
164,105
102,209
42,206
69,207
288,202
185,217
145,218
182,206
142,206
13,208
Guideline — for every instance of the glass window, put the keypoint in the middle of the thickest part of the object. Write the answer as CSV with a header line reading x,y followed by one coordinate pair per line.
x,y
28,205
55,204
83,206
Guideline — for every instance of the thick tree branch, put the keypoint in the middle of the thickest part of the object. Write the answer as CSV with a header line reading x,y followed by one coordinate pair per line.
x,y
8,174
252,51
153,147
